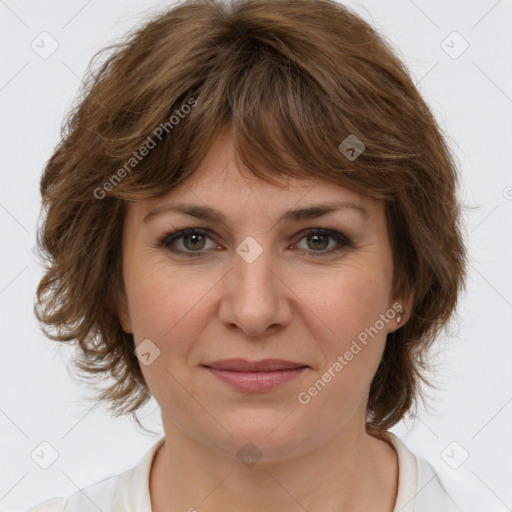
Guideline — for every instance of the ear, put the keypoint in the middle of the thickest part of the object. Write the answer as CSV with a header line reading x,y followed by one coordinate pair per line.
x,y
406,304
123,312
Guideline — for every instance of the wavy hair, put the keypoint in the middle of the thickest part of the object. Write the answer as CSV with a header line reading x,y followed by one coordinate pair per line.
x,y
294,78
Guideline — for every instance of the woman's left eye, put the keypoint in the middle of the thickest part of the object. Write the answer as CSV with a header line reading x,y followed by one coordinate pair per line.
x,y
318,238
194,241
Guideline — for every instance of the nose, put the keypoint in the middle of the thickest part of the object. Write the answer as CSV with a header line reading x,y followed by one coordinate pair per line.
x,y
255,296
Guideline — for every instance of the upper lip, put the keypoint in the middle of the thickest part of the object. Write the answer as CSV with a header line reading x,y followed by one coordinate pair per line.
x,y
243,365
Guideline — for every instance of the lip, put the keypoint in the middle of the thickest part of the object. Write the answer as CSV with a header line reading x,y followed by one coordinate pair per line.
x,y
255,376
263,365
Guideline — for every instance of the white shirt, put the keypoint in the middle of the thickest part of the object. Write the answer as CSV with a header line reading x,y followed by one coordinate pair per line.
x,y
419,488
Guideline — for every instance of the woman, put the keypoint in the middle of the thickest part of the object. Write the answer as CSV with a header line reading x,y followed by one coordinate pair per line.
x,y
252,217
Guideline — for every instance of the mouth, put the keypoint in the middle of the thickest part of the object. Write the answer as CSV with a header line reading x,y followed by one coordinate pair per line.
x,y
255,376
264,365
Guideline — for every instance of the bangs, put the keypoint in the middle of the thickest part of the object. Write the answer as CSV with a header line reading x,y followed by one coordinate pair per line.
x,y
283,122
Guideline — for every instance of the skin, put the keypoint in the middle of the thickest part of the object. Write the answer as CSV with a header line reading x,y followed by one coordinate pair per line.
x,y
286,305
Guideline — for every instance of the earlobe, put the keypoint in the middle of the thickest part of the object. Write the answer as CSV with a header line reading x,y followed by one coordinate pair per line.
x,y
404,312
123,314
400,313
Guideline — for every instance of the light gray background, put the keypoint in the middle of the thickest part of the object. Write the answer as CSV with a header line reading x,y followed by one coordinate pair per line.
x,y
471,95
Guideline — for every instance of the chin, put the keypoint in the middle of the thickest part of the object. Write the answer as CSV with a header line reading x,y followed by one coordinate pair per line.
x,y
263,432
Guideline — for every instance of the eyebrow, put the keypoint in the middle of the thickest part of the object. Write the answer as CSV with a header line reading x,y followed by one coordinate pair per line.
x,y
209,214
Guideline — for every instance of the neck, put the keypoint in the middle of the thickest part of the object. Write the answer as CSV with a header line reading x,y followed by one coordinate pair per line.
x,y
350,472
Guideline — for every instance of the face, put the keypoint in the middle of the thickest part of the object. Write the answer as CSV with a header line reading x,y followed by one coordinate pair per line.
x,y
255,286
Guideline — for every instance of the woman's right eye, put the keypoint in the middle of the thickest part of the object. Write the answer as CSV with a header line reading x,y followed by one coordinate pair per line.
x,y
193,240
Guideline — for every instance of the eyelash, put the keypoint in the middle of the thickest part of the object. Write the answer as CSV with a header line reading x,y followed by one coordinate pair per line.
x,y
341,239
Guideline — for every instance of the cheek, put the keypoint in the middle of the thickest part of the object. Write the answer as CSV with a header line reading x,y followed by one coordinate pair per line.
x,y
355,300
167,309
353,309
172,309
161,299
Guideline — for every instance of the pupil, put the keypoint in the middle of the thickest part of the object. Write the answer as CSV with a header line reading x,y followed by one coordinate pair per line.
x,y
316,237
193,237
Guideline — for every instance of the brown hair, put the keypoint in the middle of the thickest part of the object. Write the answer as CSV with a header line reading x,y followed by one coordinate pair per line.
x,y
295,78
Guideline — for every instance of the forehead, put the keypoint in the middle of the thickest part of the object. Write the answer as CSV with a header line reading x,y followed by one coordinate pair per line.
x,y
221,183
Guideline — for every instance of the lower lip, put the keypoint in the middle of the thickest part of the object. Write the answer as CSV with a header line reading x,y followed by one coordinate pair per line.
x,y
255,382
